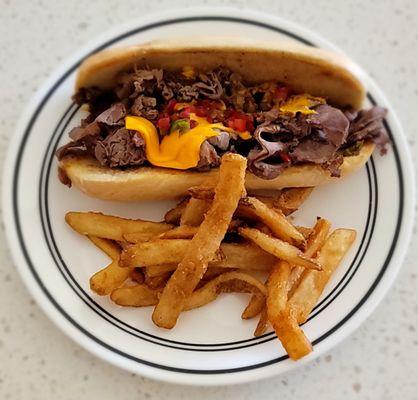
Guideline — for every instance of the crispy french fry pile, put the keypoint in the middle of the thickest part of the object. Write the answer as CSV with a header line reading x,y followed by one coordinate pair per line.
x,y
211,243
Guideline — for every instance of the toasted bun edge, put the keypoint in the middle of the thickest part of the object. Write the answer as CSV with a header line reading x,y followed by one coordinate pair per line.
x,y
154,183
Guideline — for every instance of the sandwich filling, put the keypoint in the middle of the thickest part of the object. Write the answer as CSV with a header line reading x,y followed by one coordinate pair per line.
x,y
188,120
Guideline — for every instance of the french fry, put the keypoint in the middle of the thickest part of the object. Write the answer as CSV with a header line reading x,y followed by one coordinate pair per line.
x,y
109,227
109,247
195,211
306,232
205,243
109,278
185,232
279,248
142,295
202,193
137,275
135,296
156,270
180,232
312,284
244,256
236,282
275,220
158,253
262,323
254,307
173,216
287,330
315,241
213,272
155,282
292,336
289,200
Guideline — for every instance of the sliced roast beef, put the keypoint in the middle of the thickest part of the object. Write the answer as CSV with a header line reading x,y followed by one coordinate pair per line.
x,y
208,157
368,124
220,141
145,107
120,150
212,149
331,124
261,159
71,149
210,87
80,132
114,115
313,151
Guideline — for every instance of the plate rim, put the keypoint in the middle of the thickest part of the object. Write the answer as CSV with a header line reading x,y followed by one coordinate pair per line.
x,y
196,379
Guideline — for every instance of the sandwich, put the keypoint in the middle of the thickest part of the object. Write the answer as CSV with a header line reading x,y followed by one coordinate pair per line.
x,y
159,116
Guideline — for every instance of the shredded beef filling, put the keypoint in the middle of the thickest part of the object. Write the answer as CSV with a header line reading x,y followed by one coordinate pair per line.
x,y
278,140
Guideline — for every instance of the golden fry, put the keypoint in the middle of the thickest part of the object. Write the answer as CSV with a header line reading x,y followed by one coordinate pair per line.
x,y
156,270
313,283
202,193
142,295
180,232
158,253
275,220
205,243
254,307
292,336
306,232
279,248
287,330
109,278
227,282
109,227
109,247
315,242
155,282
173,216
135,296
262,323
137,275
289,200
194,213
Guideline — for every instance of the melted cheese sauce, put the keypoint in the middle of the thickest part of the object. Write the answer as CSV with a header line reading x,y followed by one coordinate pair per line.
x,y
301,103
176,150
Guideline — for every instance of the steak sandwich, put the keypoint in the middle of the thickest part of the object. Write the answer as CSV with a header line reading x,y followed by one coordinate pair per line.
x,y
159,117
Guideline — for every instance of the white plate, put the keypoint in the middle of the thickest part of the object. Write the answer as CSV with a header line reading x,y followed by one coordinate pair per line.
x,y
211,345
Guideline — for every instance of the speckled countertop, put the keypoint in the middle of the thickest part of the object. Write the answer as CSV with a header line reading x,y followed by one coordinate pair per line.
x,y
379,361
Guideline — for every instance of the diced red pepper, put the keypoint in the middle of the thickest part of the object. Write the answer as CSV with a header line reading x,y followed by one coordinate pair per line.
x,y
193,124
250,125
185,113
240,124
281,93
285,157
170,106
201,111
164,124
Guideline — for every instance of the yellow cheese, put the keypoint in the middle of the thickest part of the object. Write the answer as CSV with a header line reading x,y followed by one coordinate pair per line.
x,y
176,150
301,103
244,135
